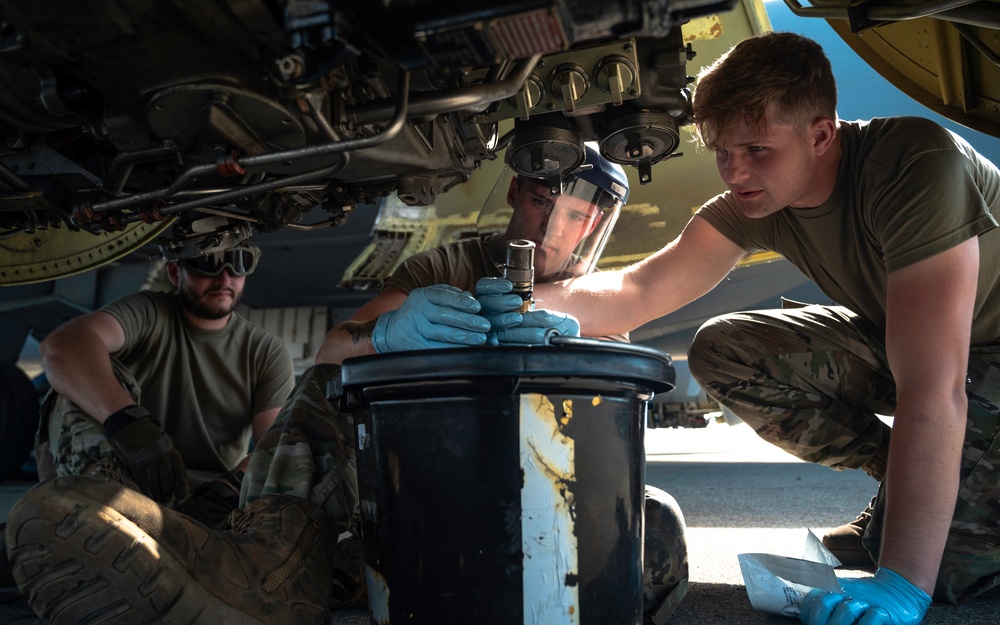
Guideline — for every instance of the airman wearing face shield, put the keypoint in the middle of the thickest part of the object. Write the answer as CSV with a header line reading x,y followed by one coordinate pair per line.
x,y
569,228
427,302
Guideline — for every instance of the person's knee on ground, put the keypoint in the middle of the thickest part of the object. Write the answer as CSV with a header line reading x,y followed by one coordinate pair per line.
x,y
665,561
966,574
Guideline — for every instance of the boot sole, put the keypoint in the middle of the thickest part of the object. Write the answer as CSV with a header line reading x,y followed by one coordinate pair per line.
x,y
79,562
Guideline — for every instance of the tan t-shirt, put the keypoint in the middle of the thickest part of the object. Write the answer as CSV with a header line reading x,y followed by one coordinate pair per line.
x,y
204,386
907,189
460,264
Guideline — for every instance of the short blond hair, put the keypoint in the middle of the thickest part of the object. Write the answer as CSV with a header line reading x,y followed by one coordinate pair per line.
x,y
784,71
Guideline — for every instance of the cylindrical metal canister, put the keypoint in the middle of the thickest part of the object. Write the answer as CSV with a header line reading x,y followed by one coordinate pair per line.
x,y
504,485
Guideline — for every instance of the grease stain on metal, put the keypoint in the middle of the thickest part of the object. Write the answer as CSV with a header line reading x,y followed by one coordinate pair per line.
x,y
548,538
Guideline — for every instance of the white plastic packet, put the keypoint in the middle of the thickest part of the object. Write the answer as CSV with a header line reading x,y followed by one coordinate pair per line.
x,y
777,584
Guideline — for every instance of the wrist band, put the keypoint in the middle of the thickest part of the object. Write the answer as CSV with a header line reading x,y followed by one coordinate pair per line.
x,y
119,419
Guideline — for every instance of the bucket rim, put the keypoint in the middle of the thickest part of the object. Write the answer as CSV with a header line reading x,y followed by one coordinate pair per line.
x,y
578,358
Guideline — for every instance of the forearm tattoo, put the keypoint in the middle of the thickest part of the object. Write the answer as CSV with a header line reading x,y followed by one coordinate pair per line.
x,y
360,331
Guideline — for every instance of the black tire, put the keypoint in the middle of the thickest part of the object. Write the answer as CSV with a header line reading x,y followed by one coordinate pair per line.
x,y
18,419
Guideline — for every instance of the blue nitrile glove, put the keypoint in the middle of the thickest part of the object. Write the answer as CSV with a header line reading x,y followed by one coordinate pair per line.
x,y
431,317
886,599
536,324
498,304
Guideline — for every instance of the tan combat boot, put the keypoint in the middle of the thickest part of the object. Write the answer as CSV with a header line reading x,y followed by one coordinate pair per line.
x,y
88,549
845,541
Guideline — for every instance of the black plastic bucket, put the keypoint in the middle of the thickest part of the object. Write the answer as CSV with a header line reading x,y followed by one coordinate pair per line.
x,y
504,485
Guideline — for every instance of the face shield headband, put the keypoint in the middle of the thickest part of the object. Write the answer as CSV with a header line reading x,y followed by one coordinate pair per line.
x,y
239,261
569,230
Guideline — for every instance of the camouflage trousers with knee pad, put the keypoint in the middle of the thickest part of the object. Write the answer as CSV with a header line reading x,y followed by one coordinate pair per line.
x,y
811,380
664,557
309,452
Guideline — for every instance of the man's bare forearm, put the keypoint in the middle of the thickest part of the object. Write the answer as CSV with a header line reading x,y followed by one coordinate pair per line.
x,y
921,487
591,299
78,367
346,340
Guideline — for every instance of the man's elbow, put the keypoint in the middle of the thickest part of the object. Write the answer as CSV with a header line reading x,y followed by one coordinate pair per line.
x,y
66,345
329,353
50,350
326,357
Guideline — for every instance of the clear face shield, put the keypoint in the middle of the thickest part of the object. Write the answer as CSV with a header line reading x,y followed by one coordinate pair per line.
x,y
569,230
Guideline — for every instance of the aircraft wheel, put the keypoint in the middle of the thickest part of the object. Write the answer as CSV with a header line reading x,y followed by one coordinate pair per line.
x,y
18,419
60,252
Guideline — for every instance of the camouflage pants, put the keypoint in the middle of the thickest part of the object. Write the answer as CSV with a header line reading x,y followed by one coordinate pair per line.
x,y
309,452
71,442
664,556
68,439
811,381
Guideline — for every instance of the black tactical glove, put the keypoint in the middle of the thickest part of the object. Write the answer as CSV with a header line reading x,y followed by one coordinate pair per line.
x,y
147,454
